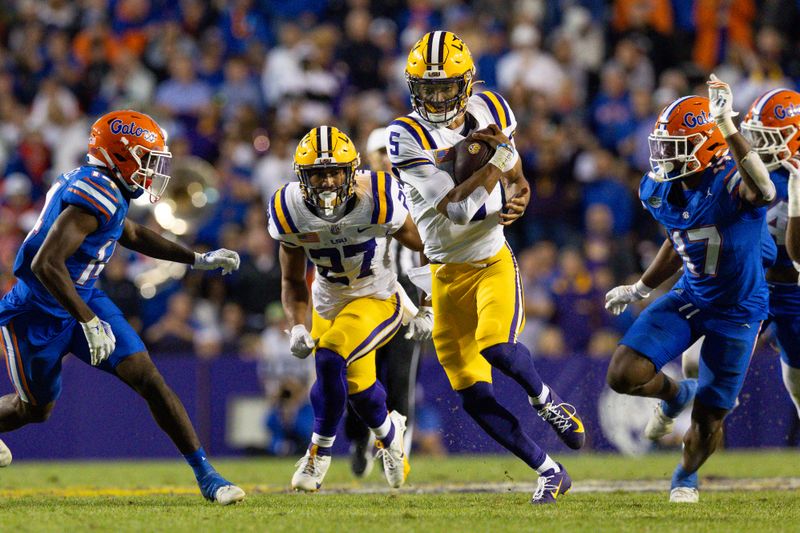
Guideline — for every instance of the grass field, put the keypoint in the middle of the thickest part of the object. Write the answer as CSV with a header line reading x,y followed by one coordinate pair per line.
x,y
750,491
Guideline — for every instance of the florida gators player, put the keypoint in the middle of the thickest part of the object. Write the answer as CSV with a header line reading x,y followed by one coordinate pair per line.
x,y
477,292
339,218
712,206
55,309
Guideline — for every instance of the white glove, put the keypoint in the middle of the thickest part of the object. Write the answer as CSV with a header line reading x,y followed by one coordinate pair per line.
x,y
721,105
100,338
421,326
301,342
227,260
792,166
618,298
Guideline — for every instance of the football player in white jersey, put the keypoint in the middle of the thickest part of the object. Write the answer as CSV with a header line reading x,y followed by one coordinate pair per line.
x,y
477,292
338,218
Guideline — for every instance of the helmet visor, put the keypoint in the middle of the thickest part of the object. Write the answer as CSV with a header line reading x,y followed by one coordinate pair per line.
x,y
327,186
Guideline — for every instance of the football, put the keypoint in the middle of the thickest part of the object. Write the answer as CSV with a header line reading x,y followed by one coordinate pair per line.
x,y
464,158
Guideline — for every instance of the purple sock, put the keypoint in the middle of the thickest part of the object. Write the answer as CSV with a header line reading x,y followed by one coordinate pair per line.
x,y
500,424
515,361
370,405
329,393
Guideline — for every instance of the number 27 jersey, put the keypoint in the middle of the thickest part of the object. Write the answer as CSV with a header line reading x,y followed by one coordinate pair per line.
x,y
719,238
350,254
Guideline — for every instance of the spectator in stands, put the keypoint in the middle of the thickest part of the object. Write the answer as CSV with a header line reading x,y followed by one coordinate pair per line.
x,y
174,332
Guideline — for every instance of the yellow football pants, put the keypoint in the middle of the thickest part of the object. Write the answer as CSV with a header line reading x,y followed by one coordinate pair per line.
x,y
363,326
475,306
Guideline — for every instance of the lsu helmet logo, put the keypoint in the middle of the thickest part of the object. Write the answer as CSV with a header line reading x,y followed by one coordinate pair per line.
x,y
118,126
691,120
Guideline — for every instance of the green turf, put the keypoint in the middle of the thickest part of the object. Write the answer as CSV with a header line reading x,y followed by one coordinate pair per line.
x,y
36,497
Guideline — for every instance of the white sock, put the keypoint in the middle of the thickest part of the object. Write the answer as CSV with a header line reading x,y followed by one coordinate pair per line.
x,y
791,379
383,430
322,442
540,400
548,464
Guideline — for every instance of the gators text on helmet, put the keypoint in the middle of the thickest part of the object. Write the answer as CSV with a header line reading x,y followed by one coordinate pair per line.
x,y
772,126
134,147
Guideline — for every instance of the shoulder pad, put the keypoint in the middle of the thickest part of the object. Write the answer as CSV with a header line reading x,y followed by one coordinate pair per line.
x,y
498,107
279,212
383,203
417,131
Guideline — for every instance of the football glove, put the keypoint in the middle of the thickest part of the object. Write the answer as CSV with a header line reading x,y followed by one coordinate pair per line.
x,y
618,298
721,105
100,338
301,343
227,260
421,326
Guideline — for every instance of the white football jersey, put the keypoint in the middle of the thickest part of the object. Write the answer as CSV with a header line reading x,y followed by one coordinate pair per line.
x,y
350,254
414,146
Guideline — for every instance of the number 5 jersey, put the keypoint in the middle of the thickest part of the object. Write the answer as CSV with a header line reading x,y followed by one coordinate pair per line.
x,y
350,254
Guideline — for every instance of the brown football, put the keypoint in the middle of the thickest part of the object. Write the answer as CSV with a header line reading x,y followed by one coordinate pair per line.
x,y
464,158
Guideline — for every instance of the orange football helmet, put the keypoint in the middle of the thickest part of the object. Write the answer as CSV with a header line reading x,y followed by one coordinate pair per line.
x,y
134,147
772,125
685,140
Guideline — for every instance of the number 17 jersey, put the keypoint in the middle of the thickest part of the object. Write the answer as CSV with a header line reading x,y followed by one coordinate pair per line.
x,y
350,254
718,235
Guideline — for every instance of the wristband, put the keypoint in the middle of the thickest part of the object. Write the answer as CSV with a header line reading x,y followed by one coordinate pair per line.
x,y
642,289
726,126
794,197
503,157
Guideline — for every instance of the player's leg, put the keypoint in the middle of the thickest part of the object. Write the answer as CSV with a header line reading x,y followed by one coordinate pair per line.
x,y
133,366
470,374
362,442
365,393
661,333
501,317
787,329
398,364
724,360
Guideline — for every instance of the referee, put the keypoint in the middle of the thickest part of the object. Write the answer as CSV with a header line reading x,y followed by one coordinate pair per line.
x,y
398,360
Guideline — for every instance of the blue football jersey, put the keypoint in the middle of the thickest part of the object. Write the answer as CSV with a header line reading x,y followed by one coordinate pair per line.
x,y
720,238
90,189
778,215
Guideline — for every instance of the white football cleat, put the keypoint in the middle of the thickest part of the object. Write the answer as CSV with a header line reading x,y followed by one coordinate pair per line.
x,y
395,461
311,470
659,424
228,494
5,455
684,495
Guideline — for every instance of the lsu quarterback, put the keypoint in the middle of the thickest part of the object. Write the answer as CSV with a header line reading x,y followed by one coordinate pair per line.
x,y
709,191
55,309
338,218
476,288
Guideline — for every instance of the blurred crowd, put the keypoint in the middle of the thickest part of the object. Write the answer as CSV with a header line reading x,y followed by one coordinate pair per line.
x,y
237,82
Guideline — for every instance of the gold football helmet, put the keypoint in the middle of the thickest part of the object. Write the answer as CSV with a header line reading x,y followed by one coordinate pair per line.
x,y
440,72
326,161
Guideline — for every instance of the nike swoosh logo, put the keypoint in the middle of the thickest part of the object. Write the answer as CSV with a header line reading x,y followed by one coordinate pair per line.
x,y
362,230
558,489
576,420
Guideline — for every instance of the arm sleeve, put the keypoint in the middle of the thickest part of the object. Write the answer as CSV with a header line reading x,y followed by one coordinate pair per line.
x,y
92,196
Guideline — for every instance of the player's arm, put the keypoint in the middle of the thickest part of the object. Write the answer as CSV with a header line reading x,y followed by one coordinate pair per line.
x,y
49,265
295,298
462,201
664,266
518,193
146,241
792,165
408,235
756,187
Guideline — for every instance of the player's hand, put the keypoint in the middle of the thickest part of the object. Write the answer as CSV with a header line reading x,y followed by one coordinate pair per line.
x,y
100,338
491,135
515,207
721,96
301,343
792,166
227,260
421,326
618,298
